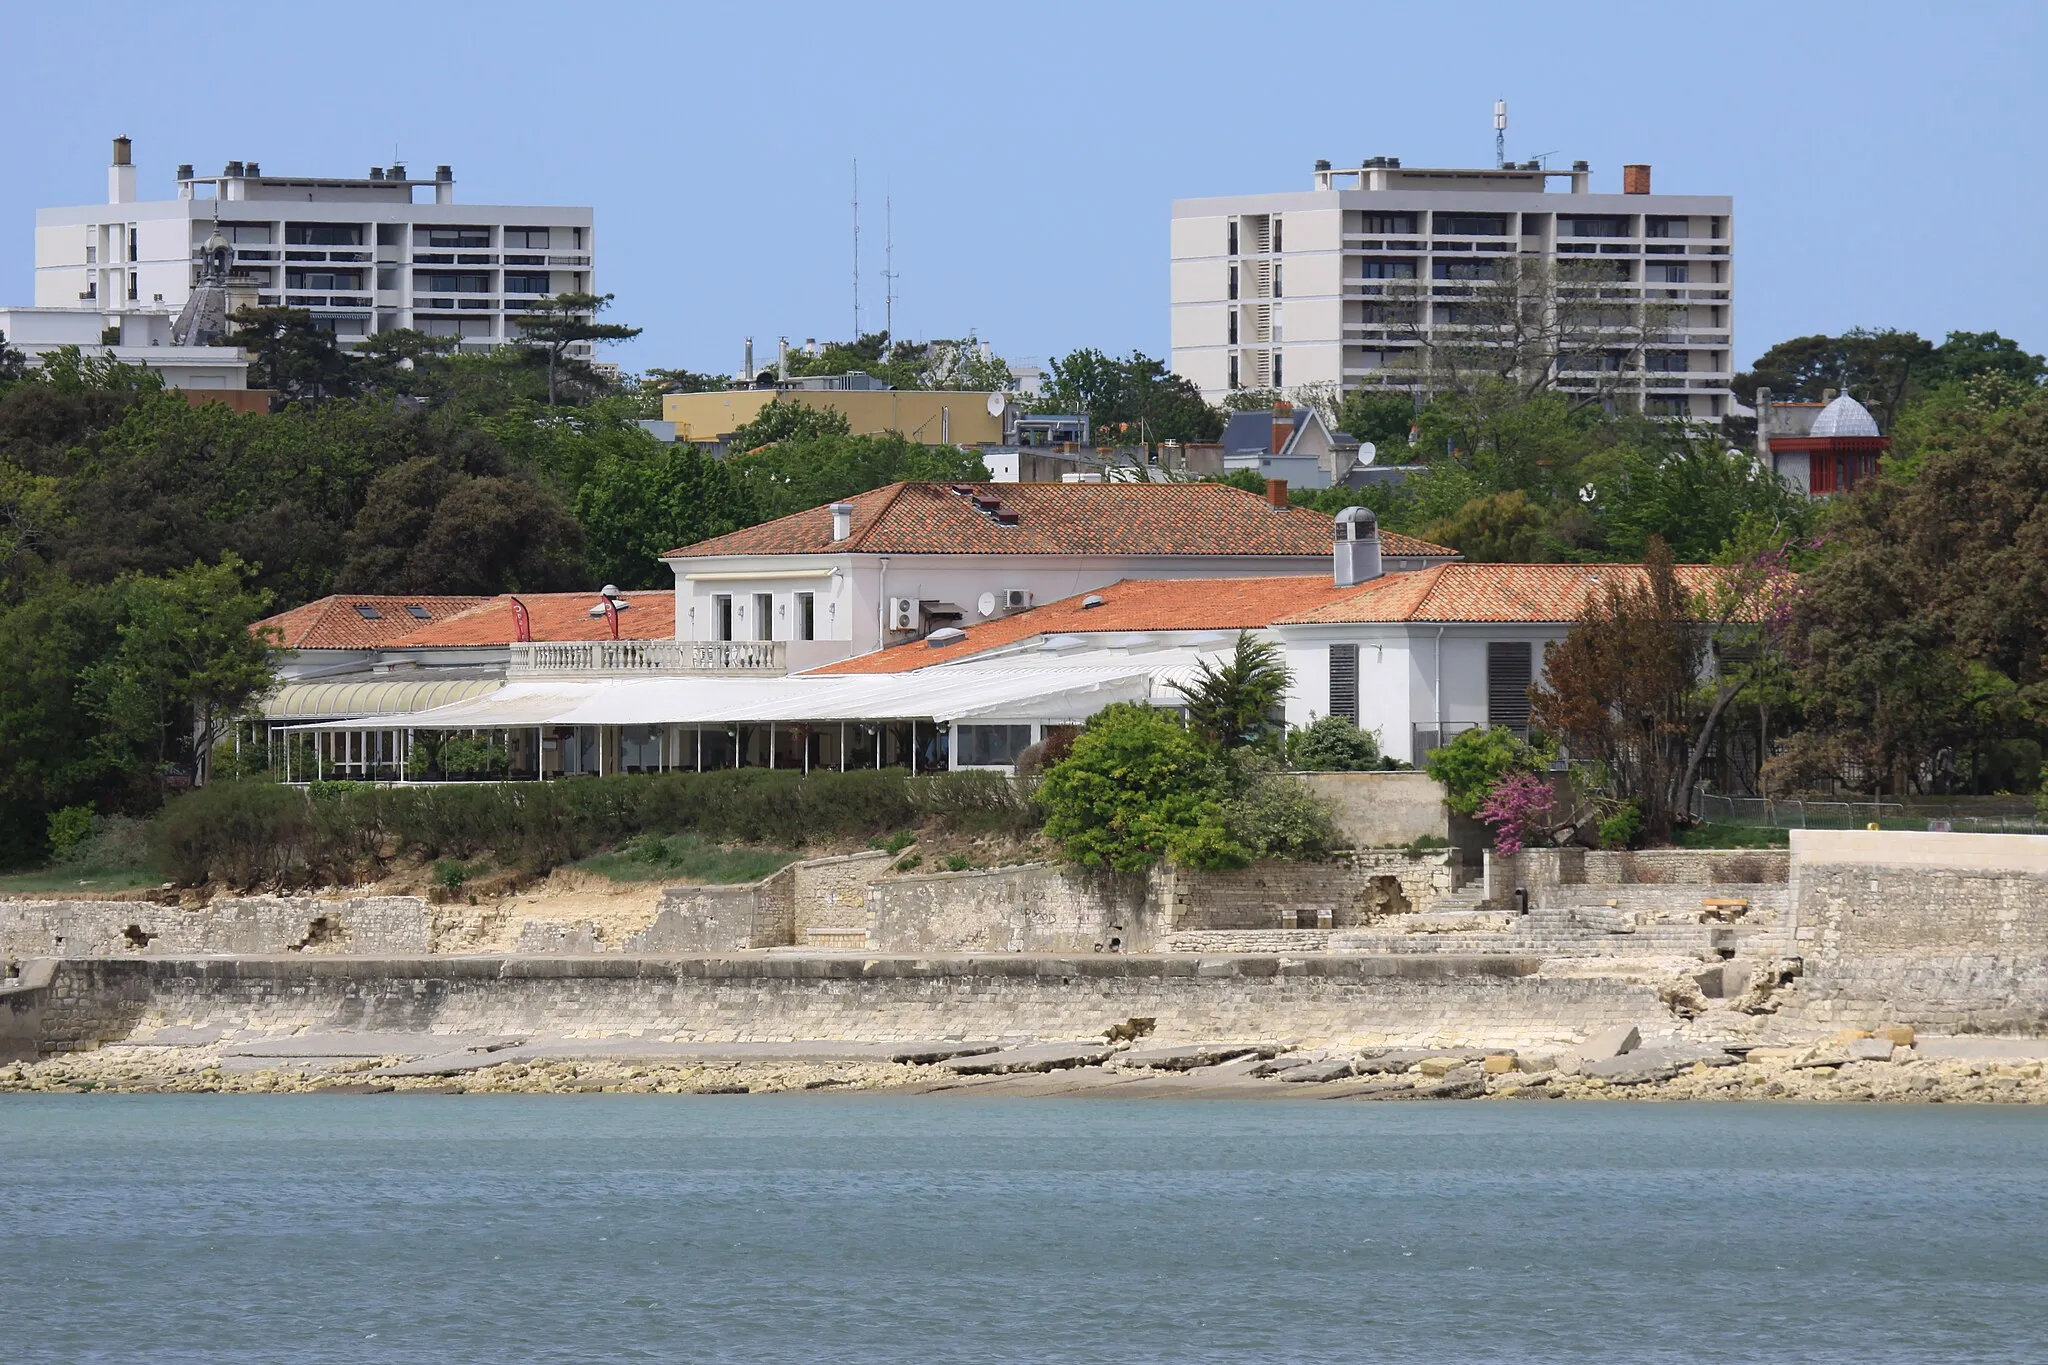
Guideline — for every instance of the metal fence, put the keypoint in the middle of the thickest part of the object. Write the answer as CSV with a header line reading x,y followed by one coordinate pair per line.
x,y
1796,812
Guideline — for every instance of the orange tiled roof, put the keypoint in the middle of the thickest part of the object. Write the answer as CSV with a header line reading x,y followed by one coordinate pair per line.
x,y
555,616
1487,592
336,623
1054,519
1132,604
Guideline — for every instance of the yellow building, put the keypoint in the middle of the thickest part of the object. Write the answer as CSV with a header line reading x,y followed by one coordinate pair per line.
x,y
929,417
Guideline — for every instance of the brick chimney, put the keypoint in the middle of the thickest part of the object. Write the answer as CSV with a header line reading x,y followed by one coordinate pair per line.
x,y
1276,493
1635,179
1283,425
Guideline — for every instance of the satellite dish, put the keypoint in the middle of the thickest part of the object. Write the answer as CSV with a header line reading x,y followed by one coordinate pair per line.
x,y
1367,452
986,604
997,402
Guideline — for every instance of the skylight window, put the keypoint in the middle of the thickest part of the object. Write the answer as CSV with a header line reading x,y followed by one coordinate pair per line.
x,y
418,612
368,612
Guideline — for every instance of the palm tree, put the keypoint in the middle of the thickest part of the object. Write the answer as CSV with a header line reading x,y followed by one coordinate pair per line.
x,y
1233,705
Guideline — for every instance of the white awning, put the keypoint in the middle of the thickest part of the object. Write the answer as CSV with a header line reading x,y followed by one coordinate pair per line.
x,y
939,694
371,697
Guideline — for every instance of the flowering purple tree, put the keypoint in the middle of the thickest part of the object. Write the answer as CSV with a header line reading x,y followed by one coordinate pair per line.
x,y
1515,809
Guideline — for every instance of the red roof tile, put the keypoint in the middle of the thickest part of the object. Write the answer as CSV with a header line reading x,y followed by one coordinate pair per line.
x,y
555,616
340,622
1488,592
1133,604
1054,519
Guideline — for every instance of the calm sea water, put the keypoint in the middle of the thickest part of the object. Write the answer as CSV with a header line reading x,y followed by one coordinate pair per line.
x,y
849,1228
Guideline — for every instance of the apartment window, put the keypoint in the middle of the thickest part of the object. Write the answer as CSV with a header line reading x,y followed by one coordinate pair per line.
x,y
1466,270
1344,682
132,248
527,284
1278,292
1277,380
1233,374
806,616
246,234
721,616
1670,274
1389,222
92,256
1592,225
1233,274
1472,224
579,237
459,238
1668,407
1383,313
1276,236
323,279
323,234
452,284
1664,362
527,238
1667,227
1507,685
640,748
1233,237
1233,326
390,234
764,616
1387,270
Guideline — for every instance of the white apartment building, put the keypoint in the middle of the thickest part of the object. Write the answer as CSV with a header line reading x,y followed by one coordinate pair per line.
x,y
1358,277
359,254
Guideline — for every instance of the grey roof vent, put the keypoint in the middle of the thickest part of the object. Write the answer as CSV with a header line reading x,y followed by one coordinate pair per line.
x,y
943,636
1092,600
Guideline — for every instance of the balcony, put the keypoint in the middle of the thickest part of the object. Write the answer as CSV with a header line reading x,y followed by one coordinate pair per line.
x,y
648,658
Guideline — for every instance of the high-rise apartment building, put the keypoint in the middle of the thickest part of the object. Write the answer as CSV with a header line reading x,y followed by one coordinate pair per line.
x,y
361,255
1383,274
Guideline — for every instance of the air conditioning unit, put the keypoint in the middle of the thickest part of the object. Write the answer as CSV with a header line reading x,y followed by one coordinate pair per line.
x,y
903,613
1016,599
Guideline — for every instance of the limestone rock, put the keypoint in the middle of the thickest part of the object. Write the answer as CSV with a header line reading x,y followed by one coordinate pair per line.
x,y
1194,1055
1037,1057
1870,1050
1499,1064
1611,1042
1315,1072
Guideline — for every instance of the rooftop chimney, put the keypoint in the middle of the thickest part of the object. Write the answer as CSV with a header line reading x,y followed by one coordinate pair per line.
x,y
1635,179
444,184
376,172
747,365
1355,556
1283,425
1276,493
121,174
842,521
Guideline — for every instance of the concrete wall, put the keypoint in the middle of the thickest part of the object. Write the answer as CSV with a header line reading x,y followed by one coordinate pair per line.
x,y
1498,999
1539,867
1381,810
1946,932
831,893
722,919
1348,892
242,924
1028,909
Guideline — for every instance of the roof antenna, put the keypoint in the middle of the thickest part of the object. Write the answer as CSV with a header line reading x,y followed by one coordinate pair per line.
x,y
856,250
1500,134
889,266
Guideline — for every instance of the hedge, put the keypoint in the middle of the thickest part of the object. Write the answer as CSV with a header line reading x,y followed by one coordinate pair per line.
x,y
254,833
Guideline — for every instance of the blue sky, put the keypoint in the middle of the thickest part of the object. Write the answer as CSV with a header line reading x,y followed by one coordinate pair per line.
x,y
1886,160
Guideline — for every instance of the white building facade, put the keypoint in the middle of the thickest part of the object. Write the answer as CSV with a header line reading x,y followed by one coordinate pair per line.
x,y
1344,283
359,254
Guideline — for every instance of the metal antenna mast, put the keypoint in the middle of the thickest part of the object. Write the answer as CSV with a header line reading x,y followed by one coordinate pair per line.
x,y
1500,134
856,248
888,265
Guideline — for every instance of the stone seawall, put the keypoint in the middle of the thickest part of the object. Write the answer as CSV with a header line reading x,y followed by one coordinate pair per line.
x,y
1336,999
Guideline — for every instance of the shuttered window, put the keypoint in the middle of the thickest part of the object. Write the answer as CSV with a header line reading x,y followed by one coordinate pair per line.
x,y
1507,685
1344,682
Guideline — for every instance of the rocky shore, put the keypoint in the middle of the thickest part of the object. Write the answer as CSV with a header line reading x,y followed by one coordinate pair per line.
x,y
1848,1068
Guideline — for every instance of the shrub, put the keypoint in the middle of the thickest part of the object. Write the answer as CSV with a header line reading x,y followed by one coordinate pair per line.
x,y
1273,814
1622,828
1474,762
1137,788
69,828
974,800
1333,744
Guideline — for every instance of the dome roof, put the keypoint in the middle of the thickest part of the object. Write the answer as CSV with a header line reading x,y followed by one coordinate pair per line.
x,y
1845,417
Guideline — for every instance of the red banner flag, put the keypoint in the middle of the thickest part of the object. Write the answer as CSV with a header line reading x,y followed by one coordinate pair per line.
x,y
522,623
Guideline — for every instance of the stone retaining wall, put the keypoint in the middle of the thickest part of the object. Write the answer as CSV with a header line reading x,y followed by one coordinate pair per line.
x,y
1350,891
1671,866
1318,999
239,924
831,893
1027,909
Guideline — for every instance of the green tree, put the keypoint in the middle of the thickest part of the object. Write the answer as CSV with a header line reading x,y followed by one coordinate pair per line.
x,y
556,324
1133,399
1884,368
637,504
184,662
788,420
47,757
425,528
1687,489
1239,702
1382,416
13,364
683,381
794,475
402,360
1138,788
1474,762
292,354
1500,528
